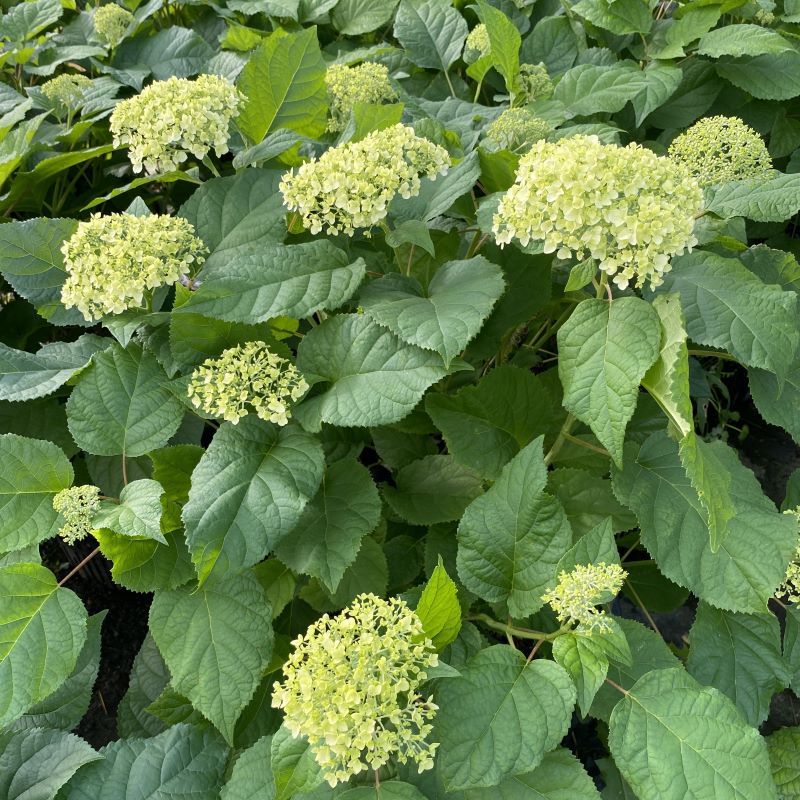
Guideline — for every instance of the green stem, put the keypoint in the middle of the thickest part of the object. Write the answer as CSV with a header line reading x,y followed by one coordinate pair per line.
x,y
566,428
700,353
514,630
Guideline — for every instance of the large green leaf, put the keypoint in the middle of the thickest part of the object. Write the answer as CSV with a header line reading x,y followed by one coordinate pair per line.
x,y
673,739
662,82
24,20
32,472
751,561
181,762
618,16
42,631
123,405
756,74
772,200
500,717
605,349
431,33
216,641
739,654
149,676
275,280
446,316
742,40
174,51
372,377
327,538
784,756
511,538
138,513
251,777
284,86
504,42
248,491
353,17
591,89
778,402
586,663
35,764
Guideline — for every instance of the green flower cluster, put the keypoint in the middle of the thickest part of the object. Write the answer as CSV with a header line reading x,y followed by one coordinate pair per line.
x,y
66,90
351,688
77,505
477,44
721,149
623,206
366,83
532,83
790,588
170,119
111,23
247,377
577,593
516,129
351,186
113,260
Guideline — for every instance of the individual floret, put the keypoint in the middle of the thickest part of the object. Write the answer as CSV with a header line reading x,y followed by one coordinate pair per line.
x,y
516,129
111,23
169,120
351,688
351,186
721,149
77,506
623,206
114,261
477,44
577,593
66,91
365,83
244,378
532,83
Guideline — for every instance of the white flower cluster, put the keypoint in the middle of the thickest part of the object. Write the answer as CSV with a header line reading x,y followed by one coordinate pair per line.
x,y
790,588
477,44
245,377
112,261
77,506
171,119
351,186
365,83
66,90
111,23
351,688
623,206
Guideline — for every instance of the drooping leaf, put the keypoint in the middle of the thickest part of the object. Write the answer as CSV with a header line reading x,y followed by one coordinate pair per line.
x,y
505,42
590,89
138,513
586,663
431,33
772,200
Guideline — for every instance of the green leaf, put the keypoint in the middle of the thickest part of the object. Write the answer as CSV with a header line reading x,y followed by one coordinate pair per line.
x,y
248,491
183,761
739,654
65,707
35,764
433,489
278,583
354,17
439,609
25,376
618,16
148,679
174,51
446,316
251,777
585,662
432,33
499,717
605,349
216,641
327,538
485,425
390,790
727,306
552,42
756,74
277,280
595,546
784,755
24,20
778,404
284,87
692,25
138,513
738,577
294,767
42,632
373,378
742,40
31,261
581,275
772,200
590,89
122,404
505,42
672,738
32,472
511,538
662,83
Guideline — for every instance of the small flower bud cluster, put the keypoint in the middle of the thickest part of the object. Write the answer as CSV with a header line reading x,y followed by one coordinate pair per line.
x,y
77,506
66,90
790,588
721,149
113,260
111,23
577,593
351,186
171,119
623,206
764,17
244,378
366,83
351,688
477,44
516,129
532,83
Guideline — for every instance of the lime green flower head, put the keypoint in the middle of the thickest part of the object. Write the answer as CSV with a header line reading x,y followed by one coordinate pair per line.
x,y
622,206
66,90
366,83
111,23
171,119
532,83
577,593
721,149
351,186
477,44
77,507
244,378
516,129
352,689
790,588
114,260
